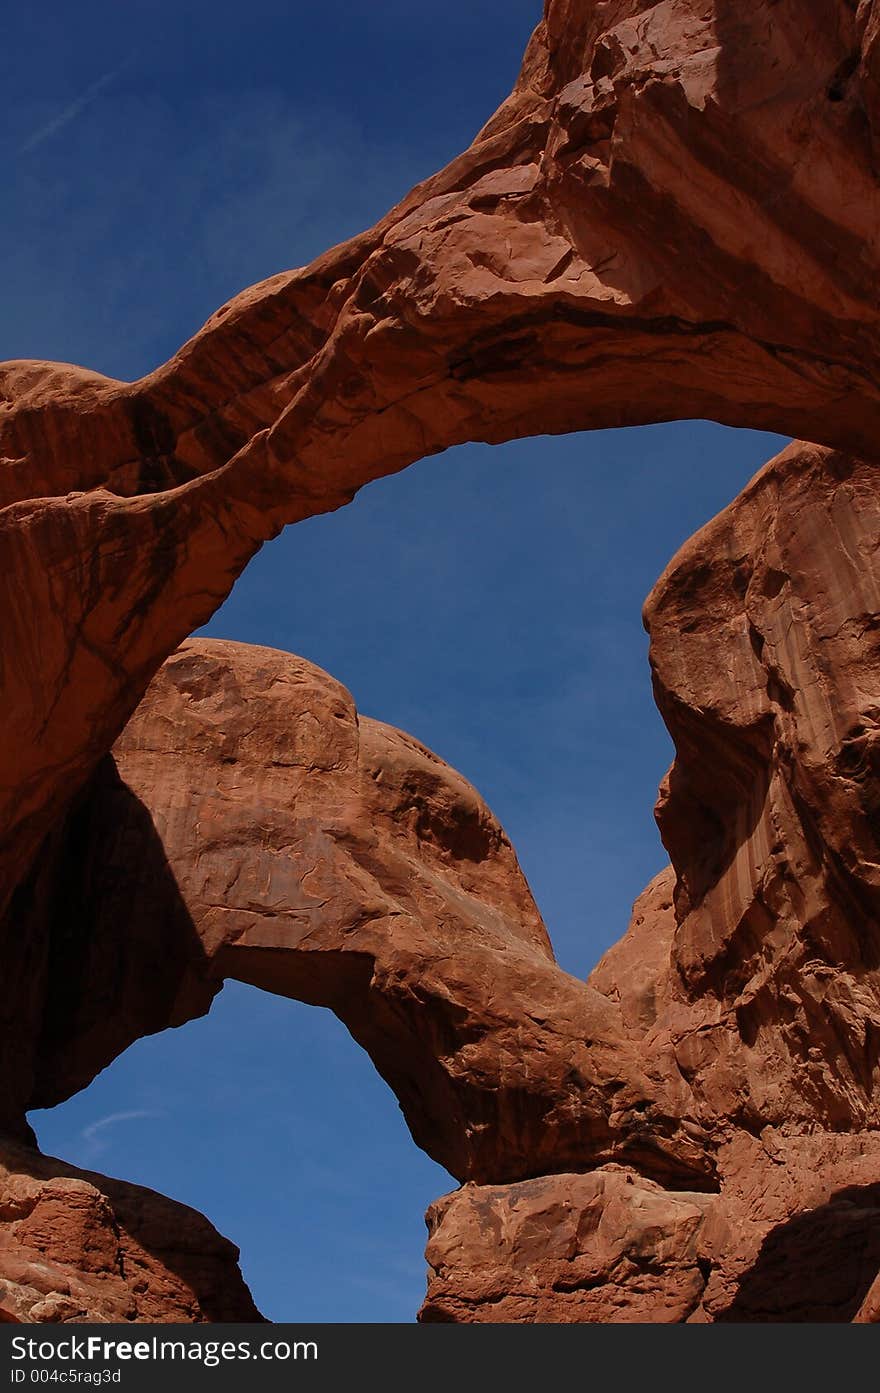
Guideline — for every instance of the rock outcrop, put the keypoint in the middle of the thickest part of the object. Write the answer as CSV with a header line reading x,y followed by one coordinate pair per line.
x,y
683,1140
77,1247
793,1236
770,809
602,1246
674,214
756,961
250,824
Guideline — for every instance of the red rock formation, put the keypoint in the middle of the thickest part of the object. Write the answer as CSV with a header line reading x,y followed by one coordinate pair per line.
x,y
758,964
282,837
605,1246
77,1247
770,809
793,1236
674,214
252,825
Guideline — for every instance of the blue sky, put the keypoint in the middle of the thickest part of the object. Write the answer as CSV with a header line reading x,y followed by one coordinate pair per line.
x,y
159,158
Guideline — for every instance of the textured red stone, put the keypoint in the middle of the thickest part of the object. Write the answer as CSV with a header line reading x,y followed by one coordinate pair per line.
x,y
76,1247
793,1236
603,1246
756,961
675,214
250,824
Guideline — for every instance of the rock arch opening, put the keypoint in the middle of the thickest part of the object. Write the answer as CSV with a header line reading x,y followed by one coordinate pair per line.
x,y
231,1114
674,214
238,739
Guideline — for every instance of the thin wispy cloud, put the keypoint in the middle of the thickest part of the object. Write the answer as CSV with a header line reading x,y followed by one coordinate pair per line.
x,y
94,1136
71,112
94,1128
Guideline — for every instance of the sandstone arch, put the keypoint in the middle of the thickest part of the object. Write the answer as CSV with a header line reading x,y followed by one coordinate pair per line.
x,y
674,214
582,264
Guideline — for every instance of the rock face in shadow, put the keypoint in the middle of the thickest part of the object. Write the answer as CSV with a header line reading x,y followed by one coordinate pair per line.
x,y
77,1248
675,214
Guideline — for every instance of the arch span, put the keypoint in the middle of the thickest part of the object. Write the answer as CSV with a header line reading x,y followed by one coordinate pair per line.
x,y
674,214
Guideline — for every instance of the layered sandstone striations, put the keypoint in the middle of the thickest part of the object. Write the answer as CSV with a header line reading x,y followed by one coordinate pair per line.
x,y
674,214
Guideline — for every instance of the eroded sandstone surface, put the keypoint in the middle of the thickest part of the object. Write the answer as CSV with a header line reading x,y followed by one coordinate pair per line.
x,y
793,1236
316,853
76,1247
754,959
675,214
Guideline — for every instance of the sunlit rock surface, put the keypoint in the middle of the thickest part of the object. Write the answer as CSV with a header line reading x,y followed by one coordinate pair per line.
x,y
675,214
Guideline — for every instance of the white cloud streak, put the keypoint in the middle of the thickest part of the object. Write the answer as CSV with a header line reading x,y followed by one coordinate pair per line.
x,y
92,1132
71,112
